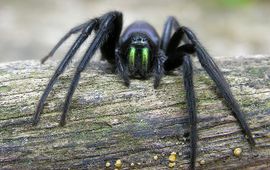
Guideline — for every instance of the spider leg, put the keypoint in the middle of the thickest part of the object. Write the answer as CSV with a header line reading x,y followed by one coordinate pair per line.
x,y
82,37
108,48
106,26
214,72
159,69
112,53
121,68
63,39
170,24
177,58
191,102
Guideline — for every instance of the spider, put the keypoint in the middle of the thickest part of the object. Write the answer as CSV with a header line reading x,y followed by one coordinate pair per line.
x,y
139,52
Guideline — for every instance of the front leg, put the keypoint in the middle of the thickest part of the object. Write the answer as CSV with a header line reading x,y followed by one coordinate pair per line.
x,y
170,24
191,102
121,67
107,23
64,63
214,72
159,67
180,57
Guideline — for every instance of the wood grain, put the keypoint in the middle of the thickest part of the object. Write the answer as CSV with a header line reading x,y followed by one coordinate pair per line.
x,y
108,121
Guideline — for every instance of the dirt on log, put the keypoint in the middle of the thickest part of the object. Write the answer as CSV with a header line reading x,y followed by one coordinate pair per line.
x,y
139,125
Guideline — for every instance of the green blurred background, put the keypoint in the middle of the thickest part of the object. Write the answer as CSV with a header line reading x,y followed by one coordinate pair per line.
x,y
30,28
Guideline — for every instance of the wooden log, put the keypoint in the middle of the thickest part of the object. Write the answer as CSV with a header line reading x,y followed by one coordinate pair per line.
x,y
139,125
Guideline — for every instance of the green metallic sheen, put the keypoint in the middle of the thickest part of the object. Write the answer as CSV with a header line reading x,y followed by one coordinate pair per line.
x,y
131,56
145,56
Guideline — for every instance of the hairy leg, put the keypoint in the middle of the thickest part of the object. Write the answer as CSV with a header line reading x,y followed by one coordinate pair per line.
x,y
159,68
121,68
170,24
106,25
177,58
85,33
191,102
64,38
108,47
214,72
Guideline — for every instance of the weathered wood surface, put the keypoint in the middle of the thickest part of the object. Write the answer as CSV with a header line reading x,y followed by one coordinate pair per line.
x,y
108,121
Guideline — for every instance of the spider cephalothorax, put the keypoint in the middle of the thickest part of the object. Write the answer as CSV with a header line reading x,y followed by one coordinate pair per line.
x,y
139,52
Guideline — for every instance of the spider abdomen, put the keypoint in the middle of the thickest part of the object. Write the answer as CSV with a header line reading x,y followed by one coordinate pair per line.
x,y
141,27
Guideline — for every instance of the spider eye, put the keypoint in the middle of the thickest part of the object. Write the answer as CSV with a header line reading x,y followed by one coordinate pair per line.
x,y
131,56
145,55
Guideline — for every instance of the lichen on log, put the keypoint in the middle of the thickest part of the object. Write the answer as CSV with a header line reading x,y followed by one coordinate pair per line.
x,y
138,125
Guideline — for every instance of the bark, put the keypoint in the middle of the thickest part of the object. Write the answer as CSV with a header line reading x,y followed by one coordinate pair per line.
x,y
139,125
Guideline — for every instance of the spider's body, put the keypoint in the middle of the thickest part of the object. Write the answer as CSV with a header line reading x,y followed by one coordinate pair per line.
x,y
140,52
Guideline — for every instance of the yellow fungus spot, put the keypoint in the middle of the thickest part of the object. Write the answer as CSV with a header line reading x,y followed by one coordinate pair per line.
x,y
202,162
118,164
237,152
172,157
155,157
108,164
172,164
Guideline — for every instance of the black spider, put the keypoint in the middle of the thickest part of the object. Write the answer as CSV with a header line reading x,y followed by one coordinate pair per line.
x,y
139,52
